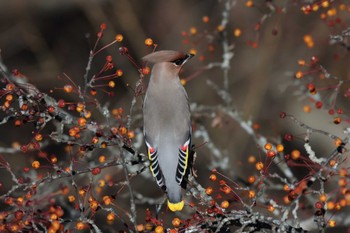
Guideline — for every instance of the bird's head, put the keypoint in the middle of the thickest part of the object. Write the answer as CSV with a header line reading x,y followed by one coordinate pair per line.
x,y
168,59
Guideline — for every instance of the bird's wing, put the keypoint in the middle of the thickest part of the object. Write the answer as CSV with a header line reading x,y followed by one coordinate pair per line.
x,y
184,163
154,165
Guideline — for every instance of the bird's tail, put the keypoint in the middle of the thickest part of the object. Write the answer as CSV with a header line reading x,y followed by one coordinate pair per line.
x,y
176,206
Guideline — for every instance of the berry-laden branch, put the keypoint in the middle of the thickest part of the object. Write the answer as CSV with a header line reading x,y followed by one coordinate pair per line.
x,y
81,167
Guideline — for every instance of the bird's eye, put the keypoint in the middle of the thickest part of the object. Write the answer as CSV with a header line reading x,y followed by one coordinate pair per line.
x,y
178,62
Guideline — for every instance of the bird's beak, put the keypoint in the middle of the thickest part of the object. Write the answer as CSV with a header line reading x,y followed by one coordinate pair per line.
x,y
188,57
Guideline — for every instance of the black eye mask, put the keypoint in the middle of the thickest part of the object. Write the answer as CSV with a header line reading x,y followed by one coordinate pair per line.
x,y
180,61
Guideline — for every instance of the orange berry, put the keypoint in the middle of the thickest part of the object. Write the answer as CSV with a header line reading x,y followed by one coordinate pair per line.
x,y
87,114
226,190
102,159
55,225
193,51
307,108
342,182
330,205
36,164
149,226
140,227
332,223
18,123
101,183
71,198
205,19
111,84
220,28
271,208
68,88
225,204
94,140
10,87
237,32
259,166
337,120
280,148
149,42
93,205
251,179
286,199
249,3
325,4
159,229
131,134
251,159
268,146
343,172
338,142
110,217
80,107
299,74
53,159
38,137
123,130
323,197
301,62
307,38
209,190
53,216
80,225
119,72
176,222
119,37
332,162
295,154
212,177
107,200
146,70
9,97
193,30
183,82
81,192
81,121
251,194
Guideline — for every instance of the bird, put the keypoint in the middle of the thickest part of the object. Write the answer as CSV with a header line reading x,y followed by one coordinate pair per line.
x,y
167,125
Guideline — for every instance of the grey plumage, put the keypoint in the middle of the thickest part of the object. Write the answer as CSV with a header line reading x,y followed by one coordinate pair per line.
x,y
167,124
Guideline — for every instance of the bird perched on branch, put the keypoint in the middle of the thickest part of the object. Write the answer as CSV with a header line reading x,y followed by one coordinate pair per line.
x,y
167,125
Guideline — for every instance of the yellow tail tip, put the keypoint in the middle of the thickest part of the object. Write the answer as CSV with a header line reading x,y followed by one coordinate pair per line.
x,y
176,206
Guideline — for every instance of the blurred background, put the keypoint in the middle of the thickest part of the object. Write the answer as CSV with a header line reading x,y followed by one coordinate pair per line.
x,y
44,39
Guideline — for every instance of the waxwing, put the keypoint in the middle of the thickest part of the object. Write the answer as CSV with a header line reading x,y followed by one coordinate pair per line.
x,y
167,125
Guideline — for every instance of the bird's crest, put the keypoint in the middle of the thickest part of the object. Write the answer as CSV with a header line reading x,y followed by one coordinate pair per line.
x,y
163,56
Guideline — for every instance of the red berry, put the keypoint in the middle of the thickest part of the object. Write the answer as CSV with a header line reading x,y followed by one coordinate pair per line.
x,y
314,59
283,115
103,26
288,137
331,111
96,171
109,58
310,86
61,103
318,104
123,50
318,205
24,148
